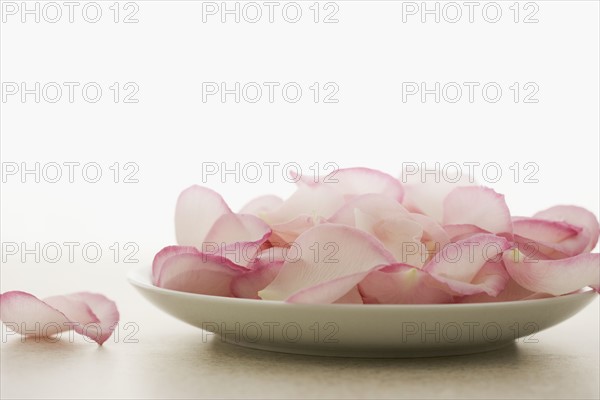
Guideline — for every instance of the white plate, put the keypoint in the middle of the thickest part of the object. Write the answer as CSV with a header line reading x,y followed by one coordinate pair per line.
x,y
362,330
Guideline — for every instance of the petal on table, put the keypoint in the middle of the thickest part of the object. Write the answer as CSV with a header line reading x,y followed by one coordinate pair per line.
x,y
103,309
479,206
262,205
402,284
199,273
197,210
463,260
575,216
92,315
328,252
555,277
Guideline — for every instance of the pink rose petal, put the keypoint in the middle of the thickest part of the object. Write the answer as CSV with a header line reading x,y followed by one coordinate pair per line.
x,y
262,272
198,273
425,194
262,205
553,239
576,216
237,237
328,252
402,284
511,292
197,210
89,314
479,206
556,277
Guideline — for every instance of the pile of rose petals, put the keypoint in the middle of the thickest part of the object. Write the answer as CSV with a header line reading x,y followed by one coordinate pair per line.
x,y
360,236
89,314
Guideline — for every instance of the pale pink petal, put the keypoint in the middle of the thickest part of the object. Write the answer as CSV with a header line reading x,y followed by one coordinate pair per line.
x,y
104,310
575,216
555,277
479,206
425,194
511,292
351,182
402,237
237,237
261,273
387,220
352,297
377,205
491,279
402,284
463,260
317,201
553,239
92,315
327,252
165,254
248,284
333,291
287,232
458,232
434,236
199,273
262,205
197,210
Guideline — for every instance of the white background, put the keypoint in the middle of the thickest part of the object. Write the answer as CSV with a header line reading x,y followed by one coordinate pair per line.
x,y
170,132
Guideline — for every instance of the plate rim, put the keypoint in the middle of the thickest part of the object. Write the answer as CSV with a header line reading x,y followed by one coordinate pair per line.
x,y
140,276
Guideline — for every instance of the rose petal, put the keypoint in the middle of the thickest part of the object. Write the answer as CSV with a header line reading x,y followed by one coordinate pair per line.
x,y
262,272
388,221
287,232
237,237
332,291
199,273
317,201
377,205
491,279
351,182
262,205
553,239
197,210
458,232
162,256
556,277
328,252
463,260
511,292
89,314
575,216
402,284
479,206
352,297
425,193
